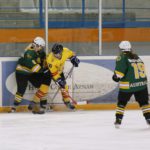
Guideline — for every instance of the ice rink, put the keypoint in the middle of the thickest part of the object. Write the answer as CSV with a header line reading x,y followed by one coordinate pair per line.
x,y
80,130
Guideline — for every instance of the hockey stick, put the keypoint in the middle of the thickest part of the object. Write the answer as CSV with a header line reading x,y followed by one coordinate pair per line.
x,y
50,105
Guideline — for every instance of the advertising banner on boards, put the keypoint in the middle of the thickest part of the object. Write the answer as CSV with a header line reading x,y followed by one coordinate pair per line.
x,y
91,81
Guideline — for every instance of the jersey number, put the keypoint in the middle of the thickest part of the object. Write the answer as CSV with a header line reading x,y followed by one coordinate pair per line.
x,y
139,70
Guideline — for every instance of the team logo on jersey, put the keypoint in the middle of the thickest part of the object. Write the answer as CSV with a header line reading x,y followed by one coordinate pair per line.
x,y
29,56
50,65
118,58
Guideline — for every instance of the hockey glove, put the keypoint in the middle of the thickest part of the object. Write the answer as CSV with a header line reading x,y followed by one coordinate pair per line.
x,y
61,82
75,61
115,78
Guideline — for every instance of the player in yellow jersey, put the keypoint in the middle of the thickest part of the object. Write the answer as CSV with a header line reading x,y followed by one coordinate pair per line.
x,y
56,61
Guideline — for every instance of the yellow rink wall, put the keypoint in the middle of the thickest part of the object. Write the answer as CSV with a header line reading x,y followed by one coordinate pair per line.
x,y
78,107
76,35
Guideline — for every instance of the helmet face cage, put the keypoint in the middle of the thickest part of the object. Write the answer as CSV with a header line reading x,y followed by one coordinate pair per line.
x,y
57,49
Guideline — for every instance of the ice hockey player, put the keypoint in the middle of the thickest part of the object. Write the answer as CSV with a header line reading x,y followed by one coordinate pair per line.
x,y
130,73
31,67
56,61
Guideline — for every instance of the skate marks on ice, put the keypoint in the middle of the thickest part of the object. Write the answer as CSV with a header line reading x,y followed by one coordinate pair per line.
x,y
78,130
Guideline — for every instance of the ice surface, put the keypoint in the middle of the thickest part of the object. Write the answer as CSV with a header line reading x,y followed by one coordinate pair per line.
x,y
80,130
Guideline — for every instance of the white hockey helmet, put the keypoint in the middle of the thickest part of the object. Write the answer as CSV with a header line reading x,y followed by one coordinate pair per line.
x,y
125,46
39,41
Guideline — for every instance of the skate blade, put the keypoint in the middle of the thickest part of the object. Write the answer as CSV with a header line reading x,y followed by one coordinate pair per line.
x,y
38,112
117,126
12,110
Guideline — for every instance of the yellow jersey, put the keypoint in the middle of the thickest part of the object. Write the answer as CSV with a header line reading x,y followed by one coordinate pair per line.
x,y
56,65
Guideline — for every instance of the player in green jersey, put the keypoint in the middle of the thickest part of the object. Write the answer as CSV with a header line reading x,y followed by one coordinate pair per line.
x,y
130,73
31,67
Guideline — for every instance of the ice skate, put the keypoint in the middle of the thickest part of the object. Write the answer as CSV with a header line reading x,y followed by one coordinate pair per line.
x,y
70,105
37,110
30,106
43,104
148,121
117,123
12,110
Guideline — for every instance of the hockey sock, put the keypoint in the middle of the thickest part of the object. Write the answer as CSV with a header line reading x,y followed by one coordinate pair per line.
x,y
65,94
18,98
42,91
43,103
120,112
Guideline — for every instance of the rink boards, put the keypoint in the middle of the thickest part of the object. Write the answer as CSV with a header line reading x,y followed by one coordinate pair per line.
x,y
90,84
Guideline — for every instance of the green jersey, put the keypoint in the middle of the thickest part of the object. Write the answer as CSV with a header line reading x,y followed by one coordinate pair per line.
x,y
31,62
131,72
